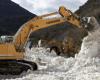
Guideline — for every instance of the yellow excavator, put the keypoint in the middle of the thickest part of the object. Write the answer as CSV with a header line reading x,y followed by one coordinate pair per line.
x,y
12,51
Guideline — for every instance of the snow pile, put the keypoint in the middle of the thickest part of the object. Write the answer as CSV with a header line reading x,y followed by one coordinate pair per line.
x,y
85,65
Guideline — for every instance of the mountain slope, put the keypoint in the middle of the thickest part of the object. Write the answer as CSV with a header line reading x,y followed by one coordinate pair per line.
x,y
12,16
90,8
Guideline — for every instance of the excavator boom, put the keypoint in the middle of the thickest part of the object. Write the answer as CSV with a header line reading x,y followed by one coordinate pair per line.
x,y
41,22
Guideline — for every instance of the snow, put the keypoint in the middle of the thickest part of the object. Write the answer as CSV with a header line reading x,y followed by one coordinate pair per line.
x,y
85,65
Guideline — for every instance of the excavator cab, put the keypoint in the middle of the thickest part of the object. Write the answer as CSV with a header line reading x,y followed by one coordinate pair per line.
x,y
4,39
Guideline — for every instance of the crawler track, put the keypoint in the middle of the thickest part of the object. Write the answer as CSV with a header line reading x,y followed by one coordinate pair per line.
x,y
15,67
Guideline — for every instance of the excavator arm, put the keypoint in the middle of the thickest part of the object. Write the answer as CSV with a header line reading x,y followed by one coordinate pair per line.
x,y
70,17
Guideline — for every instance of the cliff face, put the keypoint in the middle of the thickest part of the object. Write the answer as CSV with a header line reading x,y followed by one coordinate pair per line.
x,y
12,16
90,8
